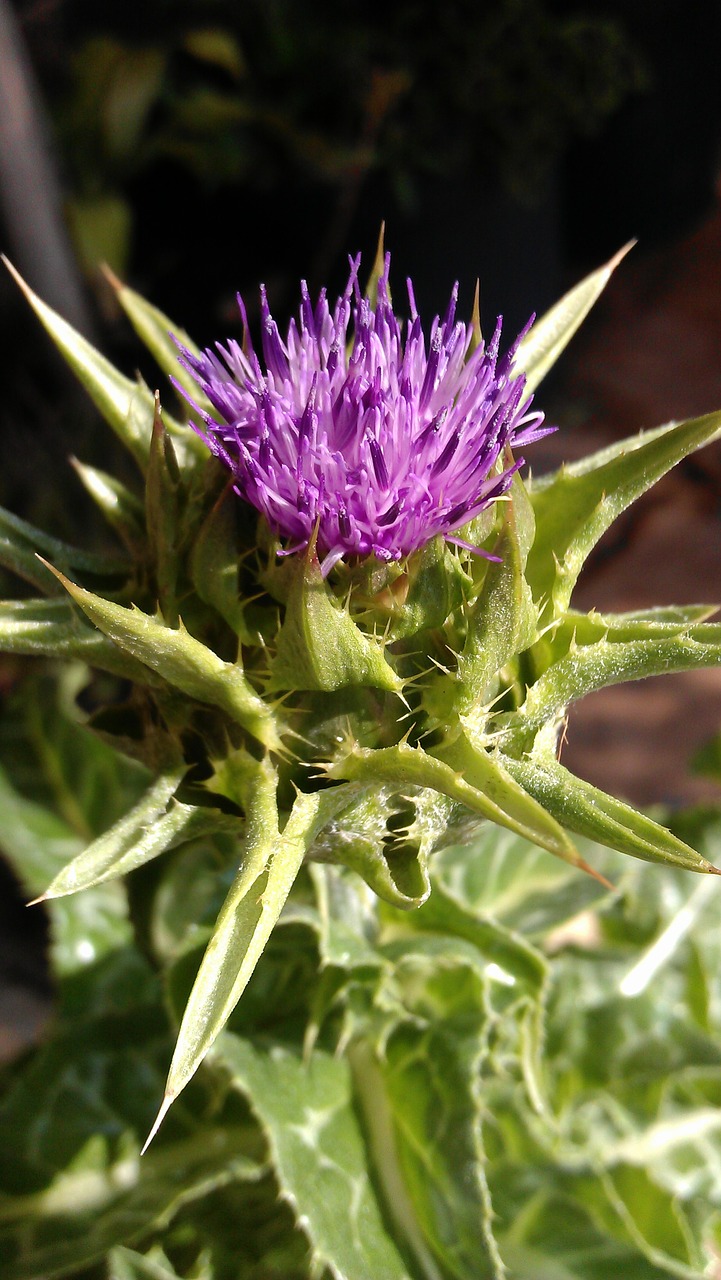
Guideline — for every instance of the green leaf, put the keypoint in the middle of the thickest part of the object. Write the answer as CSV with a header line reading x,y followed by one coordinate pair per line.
x,y
35,840
73,1185
100,226
181,660
218,47
55,760
542,346
546,1234
19,542
635,1087
127,1264
186,900
707,760
574,628
307,1110
52,628
270,862
575,506
37,843
319,645
243,1232
344,920
519,885
128,97
607,662
496,944
424,1125
592,813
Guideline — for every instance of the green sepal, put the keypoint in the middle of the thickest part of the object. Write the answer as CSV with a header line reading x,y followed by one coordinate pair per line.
x,y
476,334
541,347
154,328
376,271
592,813
664,615
501,623
525,815
319,645
275,570
182,661
402,765
271,860
586,668
403,881
53,629
576,505
20,542
162,512
477,533
233,772
157,823
126,406
371,289
430,587
121,508
214,566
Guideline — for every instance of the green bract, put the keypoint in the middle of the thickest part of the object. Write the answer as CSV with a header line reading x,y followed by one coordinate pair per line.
x,y
367,719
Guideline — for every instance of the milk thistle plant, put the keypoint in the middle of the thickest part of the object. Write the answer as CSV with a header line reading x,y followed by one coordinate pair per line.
x,y
342,641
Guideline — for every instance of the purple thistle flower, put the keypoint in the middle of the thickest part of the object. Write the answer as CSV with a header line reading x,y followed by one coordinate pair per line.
x,y
380,444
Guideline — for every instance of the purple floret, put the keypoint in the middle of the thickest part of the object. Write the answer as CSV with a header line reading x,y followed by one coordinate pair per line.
x,y
380,445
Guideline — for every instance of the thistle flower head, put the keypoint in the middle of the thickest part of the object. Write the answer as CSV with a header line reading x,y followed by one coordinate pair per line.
x,y
378,443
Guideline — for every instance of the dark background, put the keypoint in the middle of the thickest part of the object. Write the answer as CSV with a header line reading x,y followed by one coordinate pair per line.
x,y
200,146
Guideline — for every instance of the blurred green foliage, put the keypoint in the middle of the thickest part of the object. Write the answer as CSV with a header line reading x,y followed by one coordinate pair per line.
x,y
526,1072
282,97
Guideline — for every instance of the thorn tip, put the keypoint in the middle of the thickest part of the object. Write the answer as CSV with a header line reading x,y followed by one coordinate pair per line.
x,y
165,1106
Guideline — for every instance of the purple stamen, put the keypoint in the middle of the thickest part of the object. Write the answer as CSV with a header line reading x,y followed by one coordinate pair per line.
x,y
313,439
